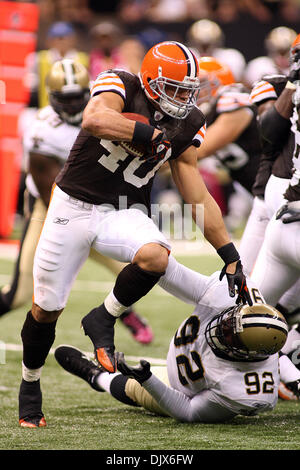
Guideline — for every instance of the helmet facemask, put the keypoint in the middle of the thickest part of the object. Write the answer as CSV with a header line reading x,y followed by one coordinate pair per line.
x,y
69,106
169,94
246,333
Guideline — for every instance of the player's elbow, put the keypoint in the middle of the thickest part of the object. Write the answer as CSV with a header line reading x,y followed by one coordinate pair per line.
x,y
92,125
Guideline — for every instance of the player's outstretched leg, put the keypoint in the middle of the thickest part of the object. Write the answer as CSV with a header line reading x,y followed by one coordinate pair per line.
x,y
77,363
132,283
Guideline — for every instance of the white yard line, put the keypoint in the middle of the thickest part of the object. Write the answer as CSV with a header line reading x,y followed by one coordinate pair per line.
x,y
179,248
90,286
152,360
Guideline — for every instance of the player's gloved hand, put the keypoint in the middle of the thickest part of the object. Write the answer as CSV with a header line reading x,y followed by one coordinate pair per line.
x,y
140,373
156,149
237,280
289,212
229,255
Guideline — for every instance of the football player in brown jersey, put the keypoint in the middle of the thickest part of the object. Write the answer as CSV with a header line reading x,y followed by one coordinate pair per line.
x,y
46,145
100,199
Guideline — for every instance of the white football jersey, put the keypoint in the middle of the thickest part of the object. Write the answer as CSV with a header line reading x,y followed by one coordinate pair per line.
x,y
295,181
48,135
243,387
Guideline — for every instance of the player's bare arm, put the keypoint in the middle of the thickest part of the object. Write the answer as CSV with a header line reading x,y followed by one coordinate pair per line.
x,y
193,190
102,118
224,130
43,170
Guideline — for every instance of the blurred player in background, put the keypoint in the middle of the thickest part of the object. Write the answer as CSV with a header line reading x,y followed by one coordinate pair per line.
x,y
273,96
86,210
61,44
206,38
232,135
279,255
222,362
277,44
47,144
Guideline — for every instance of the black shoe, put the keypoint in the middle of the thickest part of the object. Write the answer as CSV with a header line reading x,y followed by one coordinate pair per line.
x,y
75,362
30,405
99,326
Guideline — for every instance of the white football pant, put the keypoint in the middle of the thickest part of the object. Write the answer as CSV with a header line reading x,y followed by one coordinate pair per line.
x,y
72,227
277,267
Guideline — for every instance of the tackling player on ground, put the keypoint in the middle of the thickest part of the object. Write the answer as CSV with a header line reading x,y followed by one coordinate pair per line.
x,y
223,360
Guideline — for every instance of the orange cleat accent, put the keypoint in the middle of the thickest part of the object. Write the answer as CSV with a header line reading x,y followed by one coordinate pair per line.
x,y
30,424
285,394
106,360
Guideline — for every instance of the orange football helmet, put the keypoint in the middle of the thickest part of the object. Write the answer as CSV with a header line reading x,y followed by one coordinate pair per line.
x,y
169,76
296,45
212,74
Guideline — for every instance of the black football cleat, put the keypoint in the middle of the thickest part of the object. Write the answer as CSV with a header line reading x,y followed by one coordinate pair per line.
x,y
99,326
75,362
30,405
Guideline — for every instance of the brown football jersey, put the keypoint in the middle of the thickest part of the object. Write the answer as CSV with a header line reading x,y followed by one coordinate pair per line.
x,y
240,157
276,161
99,171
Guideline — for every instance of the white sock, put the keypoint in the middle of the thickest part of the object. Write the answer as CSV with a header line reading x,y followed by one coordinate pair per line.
x,y
113,306
31,375
104,380
288,371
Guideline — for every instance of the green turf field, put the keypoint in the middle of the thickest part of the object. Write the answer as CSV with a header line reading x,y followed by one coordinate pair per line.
x,y
80,418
